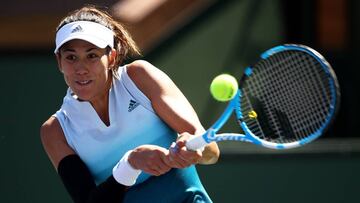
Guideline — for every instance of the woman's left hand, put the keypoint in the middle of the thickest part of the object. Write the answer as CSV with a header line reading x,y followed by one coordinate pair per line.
x,y
180,156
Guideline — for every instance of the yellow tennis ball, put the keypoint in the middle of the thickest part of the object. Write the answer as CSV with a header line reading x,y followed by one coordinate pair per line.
x,y
223,87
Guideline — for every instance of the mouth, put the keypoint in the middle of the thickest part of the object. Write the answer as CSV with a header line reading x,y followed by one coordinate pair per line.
x,y
83,82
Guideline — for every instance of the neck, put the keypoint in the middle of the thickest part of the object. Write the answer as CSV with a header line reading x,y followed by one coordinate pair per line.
x,y
101,105
102,108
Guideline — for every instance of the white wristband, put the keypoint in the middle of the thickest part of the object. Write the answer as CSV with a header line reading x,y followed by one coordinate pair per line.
x,y
124,173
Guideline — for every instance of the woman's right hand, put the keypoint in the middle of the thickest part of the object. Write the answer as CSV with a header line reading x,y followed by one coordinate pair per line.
x,y
151,159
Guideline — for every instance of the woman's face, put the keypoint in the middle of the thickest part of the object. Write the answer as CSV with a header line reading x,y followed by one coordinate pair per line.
x,y
86,69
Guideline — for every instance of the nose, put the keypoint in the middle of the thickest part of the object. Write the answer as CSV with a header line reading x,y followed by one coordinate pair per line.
x,y
81,68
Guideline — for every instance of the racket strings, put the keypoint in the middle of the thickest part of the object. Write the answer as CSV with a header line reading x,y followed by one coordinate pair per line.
x,y
305,102
290,93
300,102
251,123
321,96
276,87
288,102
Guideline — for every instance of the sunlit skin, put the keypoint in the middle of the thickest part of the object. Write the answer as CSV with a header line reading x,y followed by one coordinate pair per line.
x,y
93,74
85,68
86,71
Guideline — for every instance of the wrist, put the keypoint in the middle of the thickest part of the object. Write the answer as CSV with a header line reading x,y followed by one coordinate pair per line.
x,y
124,173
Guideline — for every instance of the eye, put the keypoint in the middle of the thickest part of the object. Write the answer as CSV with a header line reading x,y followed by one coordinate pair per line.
x,y
70,57
92,55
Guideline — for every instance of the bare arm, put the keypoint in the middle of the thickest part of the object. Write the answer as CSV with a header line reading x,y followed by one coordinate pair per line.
x,y
54,142
170,104
73,172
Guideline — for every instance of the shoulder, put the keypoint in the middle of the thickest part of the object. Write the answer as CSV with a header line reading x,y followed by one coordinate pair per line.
x,y
51,132
148,78
53,140
140,68
50,127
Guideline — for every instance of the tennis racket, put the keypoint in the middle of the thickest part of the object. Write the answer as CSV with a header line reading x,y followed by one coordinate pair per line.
x,y
285,100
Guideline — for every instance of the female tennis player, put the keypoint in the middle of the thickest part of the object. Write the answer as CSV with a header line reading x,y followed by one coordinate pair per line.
x,y
110,140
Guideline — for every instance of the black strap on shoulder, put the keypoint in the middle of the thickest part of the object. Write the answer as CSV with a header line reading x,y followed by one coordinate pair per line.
x,y
80,185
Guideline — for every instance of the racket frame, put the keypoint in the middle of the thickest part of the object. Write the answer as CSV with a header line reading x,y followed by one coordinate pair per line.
x,y
198,142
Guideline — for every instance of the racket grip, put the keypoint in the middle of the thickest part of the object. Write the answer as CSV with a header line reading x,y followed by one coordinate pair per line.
x,y
195,143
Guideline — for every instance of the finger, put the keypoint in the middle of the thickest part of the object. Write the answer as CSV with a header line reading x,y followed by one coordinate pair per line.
x,y
190,157
182,160
156,169
180,157
171,159
152,172
177,157
161,164
184,136
180,143
162,167
176,161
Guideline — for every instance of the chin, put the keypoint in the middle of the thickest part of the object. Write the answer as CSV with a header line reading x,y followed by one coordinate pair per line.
x,y
82,95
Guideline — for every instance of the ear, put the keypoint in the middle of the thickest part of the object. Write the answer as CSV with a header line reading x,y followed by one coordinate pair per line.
x,y
112,57
58,59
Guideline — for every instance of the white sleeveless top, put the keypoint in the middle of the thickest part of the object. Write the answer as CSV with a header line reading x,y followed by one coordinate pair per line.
x,y
133,122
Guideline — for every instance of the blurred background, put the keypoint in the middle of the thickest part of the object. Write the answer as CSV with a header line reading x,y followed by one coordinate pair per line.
x,y
192,41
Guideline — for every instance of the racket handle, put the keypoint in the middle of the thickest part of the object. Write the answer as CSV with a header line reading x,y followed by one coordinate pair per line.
x,y
195,143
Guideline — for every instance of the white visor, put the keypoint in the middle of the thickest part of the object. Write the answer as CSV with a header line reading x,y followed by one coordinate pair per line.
x,y
92,32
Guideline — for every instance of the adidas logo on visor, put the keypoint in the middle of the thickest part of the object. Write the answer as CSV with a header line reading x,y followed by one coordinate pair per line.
x,y
77,29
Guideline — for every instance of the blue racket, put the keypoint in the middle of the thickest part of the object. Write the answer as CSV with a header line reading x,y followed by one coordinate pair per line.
x,y
287,99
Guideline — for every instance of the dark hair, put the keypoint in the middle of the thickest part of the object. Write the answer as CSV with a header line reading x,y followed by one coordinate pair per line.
x,y
123,42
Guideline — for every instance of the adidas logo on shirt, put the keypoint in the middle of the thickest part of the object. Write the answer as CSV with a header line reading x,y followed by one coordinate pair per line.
x,y
77,29
132,105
